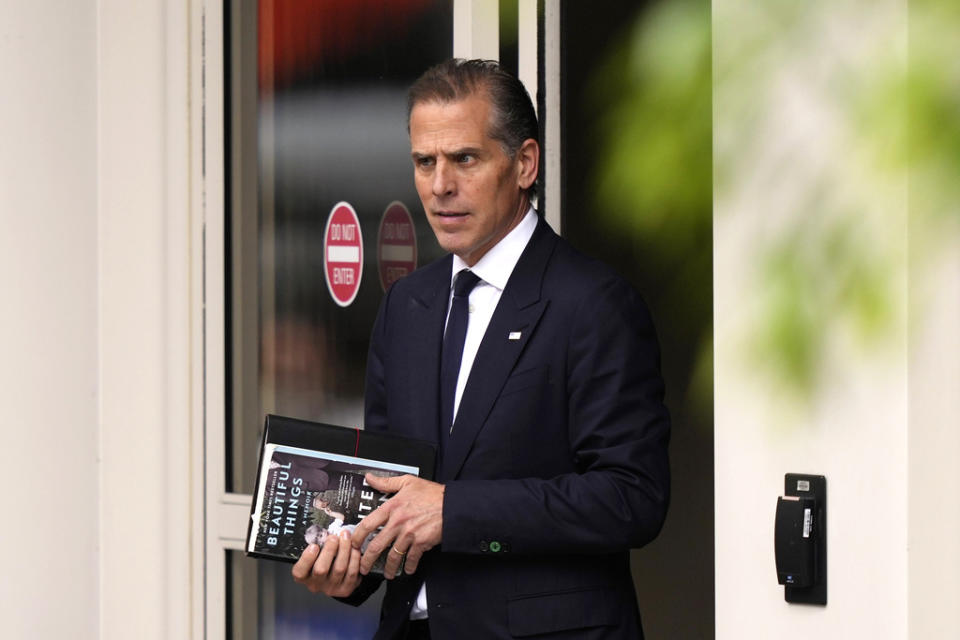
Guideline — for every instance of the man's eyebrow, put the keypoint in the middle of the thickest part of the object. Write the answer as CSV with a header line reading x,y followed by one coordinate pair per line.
x,y
463,151
454,153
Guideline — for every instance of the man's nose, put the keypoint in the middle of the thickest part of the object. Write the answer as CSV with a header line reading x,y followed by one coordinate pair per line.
x,y
444,181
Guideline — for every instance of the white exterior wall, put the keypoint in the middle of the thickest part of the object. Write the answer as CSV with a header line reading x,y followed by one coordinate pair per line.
x,y
97,381
934,445
150,489
799,165
48,327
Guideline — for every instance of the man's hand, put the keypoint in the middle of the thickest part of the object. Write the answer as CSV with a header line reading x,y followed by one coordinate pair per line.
x,y
412,522
334,570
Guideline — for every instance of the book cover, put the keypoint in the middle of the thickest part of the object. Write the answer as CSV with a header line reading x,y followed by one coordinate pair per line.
x,y
306,494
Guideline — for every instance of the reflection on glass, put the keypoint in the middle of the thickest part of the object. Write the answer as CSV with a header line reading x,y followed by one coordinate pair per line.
x,y
636,109
329,127
509,35
263,603
316,115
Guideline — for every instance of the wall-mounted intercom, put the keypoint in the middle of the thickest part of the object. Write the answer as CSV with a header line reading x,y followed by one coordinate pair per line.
x,y
800,539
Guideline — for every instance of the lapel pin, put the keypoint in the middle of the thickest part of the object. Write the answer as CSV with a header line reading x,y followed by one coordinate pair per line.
x,y
514,335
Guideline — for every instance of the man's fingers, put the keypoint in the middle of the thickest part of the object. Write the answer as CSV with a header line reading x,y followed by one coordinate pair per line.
x,y
387,484
322,566
333,569
342,560
370,523
414,553
379,545
413,516
301,570
395,557
353,568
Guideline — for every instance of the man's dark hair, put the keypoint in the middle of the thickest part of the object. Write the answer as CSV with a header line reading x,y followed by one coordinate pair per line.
x,y
513,119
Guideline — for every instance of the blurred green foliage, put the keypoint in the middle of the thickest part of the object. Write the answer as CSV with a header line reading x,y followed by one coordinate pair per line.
x,y
653,176
835,122
651,171
934,112
825,260
921,106
509,18
811,280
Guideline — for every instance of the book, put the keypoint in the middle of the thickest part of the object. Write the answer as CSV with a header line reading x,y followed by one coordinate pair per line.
x,y
311,483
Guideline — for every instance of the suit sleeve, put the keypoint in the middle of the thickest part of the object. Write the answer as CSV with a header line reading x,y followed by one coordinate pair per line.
x,y
618,429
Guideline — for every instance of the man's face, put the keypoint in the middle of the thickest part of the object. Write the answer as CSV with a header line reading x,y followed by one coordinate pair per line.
x,y
472,191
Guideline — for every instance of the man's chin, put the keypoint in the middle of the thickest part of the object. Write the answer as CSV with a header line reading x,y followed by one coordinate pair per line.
x,y
450,242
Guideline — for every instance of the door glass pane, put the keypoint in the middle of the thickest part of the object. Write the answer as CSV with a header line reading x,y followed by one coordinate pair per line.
x,y
263,603
315,116
636,130
508,16
324,109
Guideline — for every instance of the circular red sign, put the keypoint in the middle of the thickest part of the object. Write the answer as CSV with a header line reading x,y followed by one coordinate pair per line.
x,y
396,244
343,254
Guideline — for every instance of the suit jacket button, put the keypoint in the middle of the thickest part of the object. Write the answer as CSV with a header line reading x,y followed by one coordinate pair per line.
x,y
483,545
494,546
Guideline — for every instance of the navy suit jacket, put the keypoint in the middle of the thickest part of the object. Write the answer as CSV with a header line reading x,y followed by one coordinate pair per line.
x,y
557,463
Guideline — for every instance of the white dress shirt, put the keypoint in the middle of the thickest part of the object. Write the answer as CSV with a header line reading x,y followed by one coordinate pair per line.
x,y
493,269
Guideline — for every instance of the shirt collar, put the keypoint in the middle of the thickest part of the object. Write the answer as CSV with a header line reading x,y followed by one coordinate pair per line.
x,y
497,264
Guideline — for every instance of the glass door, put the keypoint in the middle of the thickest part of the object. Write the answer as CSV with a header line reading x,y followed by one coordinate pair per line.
x,y
319,216
637,191
324,107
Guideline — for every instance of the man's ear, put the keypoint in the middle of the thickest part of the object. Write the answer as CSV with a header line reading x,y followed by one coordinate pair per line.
x,y
528,157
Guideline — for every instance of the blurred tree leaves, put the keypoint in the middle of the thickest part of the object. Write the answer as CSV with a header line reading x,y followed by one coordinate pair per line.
x,y
651,175
934,112
654,166
832,119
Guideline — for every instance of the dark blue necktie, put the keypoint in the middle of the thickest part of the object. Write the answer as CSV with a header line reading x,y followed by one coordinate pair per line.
x,y
453,339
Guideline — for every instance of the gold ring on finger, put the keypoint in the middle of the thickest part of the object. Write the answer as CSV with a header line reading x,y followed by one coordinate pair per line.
x,y
398,552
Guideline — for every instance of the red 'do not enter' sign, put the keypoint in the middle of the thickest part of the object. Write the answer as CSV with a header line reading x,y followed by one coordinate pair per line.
x,y
343,254
396,244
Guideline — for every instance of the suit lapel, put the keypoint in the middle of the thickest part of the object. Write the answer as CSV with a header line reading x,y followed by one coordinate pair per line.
x,y
426,315
513,323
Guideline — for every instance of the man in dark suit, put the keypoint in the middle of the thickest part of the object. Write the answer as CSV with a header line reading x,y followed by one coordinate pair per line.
x,y
550,424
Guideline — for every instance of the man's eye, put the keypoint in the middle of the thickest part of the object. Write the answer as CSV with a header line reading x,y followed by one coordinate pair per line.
x,y
465,158
424,162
